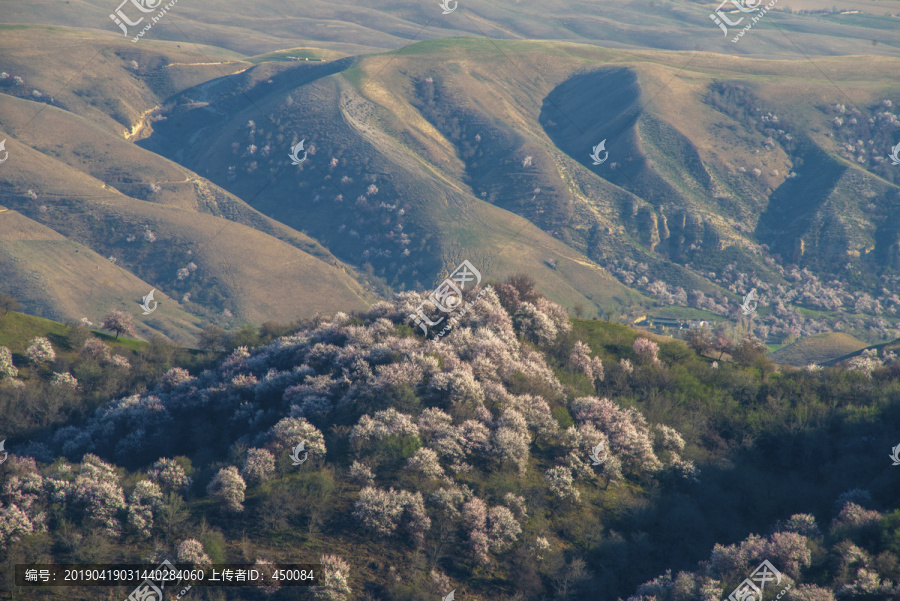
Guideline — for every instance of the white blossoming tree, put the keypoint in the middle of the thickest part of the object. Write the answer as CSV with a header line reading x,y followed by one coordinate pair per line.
x,y
14,524
7,369
258,466
98,493
145,501
334,582
40,351
385,511
229,487
291,431
191,551
169,474
561,484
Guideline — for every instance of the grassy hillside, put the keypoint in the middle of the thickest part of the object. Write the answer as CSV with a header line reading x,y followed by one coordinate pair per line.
x,y
442,151
424,137
153,218
388,201
355,26
817,349
59,278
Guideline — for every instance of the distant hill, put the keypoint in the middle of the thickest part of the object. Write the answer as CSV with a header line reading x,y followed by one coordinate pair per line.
x,y
95,222
883,348
723,174
817,349
362,26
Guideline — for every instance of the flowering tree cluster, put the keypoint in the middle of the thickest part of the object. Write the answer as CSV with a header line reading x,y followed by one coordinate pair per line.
x,y
868,361
430,413
169,474
144,504
561,483
291,431
13,524
64,380
97,491
22,501
790,549
491,530
629,436
175,377
541,322
387,511
100,352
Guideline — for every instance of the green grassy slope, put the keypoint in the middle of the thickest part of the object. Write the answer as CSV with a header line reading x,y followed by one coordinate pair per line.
x,y
817,349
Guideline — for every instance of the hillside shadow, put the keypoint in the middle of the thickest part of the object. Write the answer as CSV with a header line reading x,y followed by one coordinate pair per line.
x,y
217,101
794,204
783,473
590,107
606,104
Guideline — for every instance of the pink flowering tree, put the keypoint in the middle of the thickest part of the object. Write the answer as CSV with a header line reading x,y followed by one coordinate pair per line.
x,y
511,440
646,351
14,524
191,551
119,322
169,474
290,432
98,493
581,361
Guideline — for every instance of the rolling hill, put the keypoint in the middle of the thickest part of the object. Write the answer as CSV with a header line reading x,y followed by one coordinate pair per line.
x,y
821,348
724,173
354,27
